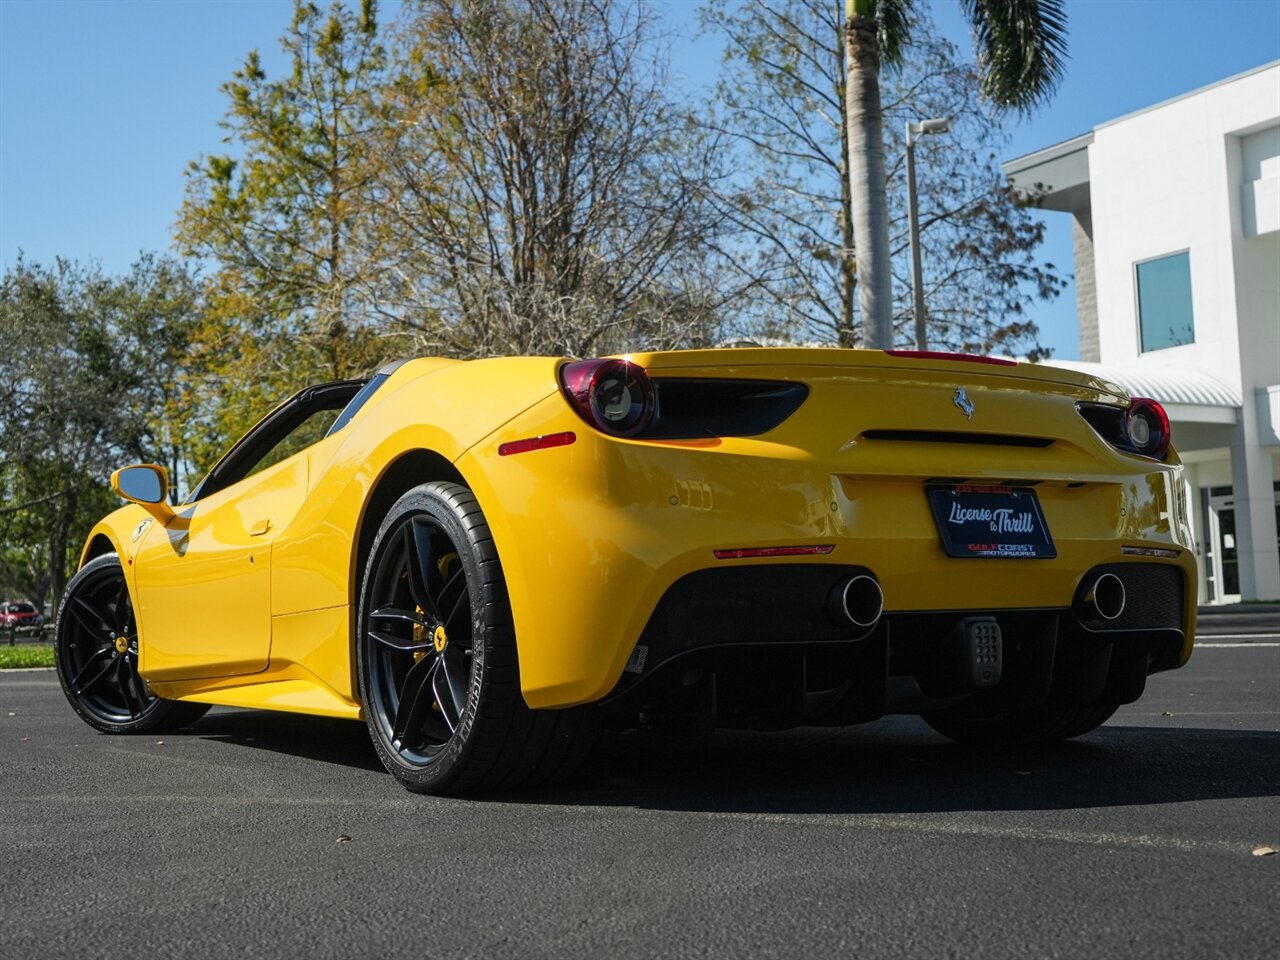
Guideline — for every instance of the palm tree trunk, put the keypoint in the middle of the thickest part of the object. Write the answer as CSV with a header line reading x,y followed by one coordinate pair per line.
x,y
867,182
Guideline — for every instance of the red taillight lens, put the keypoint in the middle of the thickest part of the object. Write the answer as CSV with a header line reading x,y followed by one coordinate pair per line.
x,y
1141,428
748,553
1147,426
615,396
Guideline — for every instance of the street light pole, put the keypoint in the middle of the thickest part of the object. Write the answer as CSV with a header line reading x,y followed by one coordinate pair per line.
x,y
914,130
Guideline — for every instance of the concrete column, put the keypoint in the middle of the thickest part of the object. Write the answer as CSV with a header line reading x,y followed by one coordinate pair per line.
x,y
1086,286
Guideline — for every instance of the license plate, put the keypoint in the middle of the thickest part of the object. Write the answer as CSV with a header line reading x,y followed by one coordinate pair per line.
x,y
982,521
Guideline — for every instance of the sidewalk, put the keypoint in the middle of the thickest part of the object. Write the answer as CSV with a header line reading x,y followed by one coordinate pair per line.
x,y
1239,618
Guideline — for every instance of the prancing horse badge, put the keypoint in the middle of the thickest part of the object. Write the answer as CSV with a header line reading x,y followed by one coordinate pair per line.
x,y
962,401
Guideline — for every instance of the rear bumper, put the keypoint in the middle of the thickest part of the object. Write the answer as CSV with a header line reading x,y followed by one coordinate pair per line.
x,y
593,536
764,646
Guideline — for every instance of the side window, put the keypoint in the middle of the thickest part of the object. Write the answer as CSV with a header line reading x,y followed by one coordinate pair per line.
x,y
1164,302
314,428
296,424
358,401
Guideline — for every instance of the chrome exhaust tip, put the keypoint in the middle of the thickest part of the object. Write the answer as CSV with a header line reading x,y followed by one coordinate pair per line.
x,y
858,601
1105,596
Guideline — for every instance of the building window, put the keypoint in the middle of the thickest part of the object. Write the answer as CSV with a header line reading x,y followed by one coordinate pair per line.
x,y
1164,302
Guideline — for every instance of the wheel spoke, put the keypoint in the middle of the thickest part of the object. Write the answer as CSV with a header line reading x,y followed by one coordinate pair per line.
x,y
464,600
450,689
399,643
89,616
415,702
395,613
444,700
417,543
134,683
123,608
458,582
92,683
122,681
90,664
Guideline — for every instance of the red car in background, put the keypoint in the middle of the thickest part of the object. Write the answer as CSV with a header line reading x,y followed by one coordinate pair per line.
x,y
20,616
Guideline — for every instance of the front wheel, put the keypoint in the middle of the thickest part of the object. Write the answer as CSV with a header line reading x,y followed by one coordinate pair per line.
x,y
1042,724
96,654
438,674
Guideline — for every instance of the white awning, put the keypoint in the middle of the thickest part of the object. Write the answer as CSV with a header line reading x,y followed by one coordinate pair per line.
x,y
1186,394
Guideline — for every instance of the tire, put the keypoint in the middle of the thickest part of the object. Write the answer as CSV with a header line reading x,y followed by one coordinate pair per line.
x,y
95,649
1043,724
436,652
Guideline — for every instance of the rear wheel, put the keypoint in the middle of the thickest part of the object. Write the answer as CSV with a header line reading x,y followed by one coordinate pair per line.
x,y
96,653
438,674
1042,724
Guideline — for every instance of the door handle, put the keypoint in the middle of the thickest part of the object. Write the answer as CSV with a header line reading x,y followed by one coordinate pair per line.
x,y
259,528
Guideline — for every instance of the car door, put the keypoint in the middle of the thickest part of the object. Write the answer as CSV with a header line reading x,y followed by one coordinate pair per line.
x,y
204,581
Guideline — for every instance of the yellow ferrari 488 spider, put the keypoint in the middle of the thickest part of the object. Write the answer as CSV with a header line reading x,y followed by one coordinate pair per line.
x,y
482,559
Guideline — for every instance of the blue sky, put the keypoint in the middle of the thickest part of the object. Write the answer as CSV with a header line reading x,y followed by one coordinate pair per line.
x,y
104,102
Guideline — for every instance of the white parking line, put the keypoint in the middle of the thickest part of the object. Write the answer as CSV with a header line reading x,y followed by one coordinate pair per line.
x,y
1201,645
1239,636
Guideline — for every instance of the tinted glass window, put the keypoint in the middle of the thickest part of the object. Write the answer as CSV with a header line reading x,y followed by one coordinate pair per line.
x,y
357,402
1164,302
311,430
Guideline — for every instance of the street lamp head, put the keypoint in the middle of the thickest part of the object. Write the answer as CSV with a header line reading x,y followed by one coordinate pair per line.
x,y
933,125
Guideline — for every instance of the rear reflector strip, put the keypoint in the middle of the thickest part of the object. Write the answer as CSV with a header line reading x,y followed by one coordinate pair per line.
x,y
748,552
941,355
537,443
1149,552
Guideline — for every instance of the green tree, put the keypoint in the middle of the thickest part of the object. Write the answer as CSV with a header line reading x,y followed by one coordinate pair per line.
x,y
1021,46
67,419
782,99
281,214
95,372
149,320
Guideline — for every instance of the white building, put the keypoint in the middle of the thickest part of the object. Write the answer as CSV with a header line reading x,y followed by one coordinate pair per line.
x,y
1177,247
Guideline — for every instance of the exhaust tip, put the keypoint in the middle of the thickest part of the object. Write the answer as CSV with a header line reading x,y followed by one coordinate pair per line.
x,y
859,601
1106,596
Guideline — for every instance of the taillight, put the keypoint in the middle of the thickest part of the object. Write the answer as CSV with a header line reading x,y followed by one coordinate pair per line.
x,y
1147,425
1142,428
615,396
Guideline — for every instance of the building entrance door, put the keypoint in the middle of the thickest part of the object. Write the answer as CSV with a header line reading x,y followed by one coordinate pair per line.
x,y
1222,564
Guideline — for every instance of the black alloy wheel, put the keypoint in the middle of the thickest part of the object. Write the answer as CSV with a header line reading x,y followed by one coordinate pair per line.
x,y
96,653
421,640
438,674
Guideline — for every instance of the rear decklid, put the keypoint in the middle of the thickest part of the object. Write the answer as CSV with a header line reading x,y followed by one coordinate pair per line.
x,y
871,413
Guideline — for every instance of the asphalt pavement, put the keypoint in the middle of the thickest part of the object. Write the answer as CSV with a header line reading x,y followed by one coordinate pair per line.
x,y
258,834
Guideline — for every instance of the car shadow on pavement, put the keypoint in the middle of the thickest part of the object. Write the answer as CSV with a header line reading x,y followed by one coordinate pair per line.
x,y
895,765
344,742
898,765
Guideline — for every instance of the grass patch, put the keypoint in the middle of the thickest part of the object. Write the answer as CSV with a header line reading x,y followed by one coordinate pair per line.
x,y
27,655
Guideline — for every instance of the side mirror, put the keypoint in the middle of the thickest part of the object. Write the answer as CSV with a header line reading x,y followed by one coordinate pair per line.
x,y
146,484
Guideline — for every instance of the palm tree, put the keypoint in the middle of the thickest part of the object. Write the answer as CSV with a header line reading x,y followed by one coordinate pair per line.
x,y
1021,47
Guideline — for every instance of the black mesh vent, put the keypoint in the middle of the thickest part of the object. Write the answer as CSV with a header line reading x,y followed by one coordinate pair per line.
x,y
1153,597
